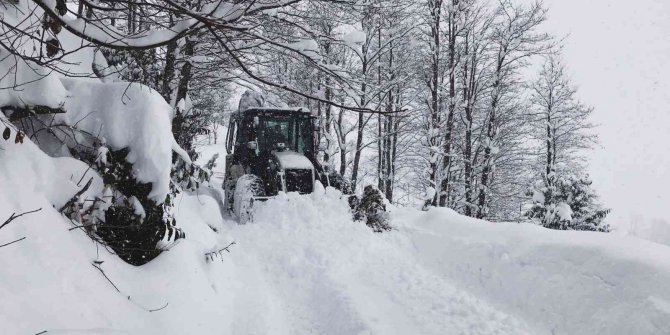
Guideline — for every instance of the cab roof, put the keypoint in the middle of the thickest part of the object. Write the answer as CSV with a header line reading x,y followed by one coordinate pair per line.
x,y
257,111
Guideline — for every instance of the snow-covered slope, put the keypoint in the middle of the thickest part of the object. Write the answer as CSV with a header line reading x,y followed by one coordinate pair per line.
x,y
562,282
304,267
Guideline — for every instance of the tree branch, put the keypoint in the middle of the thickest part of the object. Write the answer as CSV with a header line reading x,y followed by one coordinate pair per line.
x,y
12,242
217,253
14,216
18,113
76,196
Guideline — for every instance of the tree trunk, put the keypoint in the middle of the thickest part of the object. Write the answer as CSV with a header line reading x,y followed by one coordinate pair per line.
x,y
435,6
446,162
341,137
467,150
359,129
169,70
482,208
357,154
185,75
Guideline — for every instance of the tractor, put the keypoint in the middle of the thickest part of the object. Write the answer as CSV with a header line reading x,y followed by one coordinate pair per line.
x,y
275,150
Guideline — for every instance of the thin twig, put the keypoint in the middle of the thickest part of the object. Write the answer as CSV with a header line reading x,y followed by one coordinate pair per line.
x,y
96,264
6,244
210,255
89,167
109,280
76,196
14,216
158,309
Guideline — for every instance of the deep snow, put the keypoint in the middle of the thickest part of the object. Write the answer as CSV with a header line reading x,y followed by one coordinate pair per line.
x,y
303,267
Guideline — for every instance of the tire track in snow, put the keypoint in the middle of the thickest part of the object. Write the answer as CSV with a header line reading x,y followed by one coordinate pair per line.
x,y
335,276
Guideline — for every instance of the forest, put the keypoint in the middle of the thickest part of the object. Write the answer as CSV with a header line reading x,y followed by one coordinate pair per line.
x,y
463,104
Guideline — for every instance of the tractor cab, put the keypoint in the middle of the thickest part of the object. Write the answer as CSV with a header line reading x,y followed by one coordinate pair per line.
x,y
263,131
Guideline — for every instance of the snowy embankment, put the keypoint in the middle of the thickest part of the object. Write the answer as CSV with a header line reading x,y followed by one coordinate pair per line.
x,y
563,282
304,268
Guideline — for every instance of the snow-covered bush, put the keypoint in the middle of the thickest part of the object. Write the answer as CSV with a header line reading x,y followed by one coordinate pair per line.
x,y
135,227
566,203
371,208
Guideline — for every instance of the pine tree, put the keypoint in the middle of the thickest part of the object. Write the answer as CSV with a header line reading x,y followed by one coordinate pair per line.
x,y
568,203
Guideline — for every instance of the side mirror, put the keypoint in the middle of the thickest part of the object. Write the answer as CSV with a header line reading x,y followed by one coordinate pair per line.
x,y
257,121
317,124
252,145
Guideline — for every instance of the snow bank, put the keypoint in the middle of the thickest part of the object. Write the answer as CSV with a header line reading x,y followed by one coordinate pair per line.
x,y
48,279
134,116
127,116
561,282
29,178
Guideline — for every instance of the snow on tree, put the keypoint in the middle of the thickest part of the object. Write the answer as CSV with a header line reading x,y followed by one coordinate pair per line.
x,y
561,126
250,99
567,203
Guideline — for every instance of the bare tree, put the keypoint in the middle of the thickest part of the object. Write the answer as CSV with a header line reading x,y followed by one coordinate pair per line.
x,y
515,38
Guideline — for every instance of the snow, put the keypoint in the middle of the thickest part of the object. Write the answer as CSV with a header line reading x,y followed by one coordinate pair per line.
x,y
538,197
127,116
25,171
354,37
307,47
113,37
304,267
293,160
134,116
251,99
563,282
23,83
25,86
564,211
137,206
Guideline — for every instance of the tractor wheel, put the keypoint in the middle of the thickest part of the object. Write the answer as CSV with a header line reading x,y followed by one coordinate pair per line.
x,y
233,173
247,188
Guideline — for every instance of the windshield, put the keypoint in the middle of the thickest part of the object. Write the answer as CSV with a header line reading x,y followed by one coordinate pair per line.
x,y
294,133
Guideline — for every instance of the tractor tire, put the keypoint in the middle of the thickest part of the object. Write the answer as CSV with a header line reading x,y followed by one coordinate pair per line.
x,y
247,188
233,173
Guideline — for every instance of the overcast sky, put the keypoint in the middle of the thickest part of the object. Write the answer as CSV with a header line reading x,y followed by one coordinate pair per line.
x,y
618,53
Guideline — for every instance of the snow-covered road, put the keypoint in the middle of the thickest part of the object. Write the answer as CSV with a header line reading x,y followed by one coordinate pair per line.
x,y
304,268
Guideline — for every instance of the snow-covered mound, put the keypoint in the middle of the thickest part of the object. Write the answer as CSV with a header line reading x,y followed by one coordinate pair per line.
x,y
125,115
562,282
129,116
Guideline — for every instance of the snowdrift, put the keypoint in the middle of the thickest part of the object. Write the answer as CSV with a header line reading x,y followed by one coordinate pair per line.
x,y
129,116
124,115
563,282
304,267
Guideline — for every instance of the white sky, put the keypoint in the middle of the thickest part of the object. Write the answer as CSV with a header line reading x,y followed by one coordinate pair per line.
x,y
618,53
